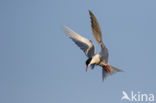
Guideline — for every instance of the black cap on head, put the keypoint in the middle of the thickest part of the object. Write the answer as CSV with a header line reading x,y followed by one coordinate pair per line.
x,y
88,61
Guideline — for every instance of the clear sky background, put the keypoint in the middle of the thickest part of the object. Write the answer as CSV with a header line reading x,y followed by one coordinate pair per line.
x,y
40,64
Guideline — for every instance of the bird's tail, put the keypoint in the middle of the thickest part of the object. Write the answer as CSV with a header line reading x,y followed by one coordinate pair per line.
x,y
114,69
106,73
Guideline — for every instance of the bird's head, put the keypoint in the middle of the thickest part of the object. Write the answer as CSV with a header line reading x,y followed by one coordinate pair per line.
x,y
88,63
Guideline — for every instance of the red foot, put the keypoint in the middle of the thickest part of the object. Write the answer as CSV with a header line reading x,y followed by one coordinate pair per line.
x,y
108,68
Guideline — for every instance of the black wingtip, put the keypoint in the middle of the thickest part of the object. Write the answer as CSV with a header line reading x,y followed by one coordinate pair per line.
x,y
90,13
103,74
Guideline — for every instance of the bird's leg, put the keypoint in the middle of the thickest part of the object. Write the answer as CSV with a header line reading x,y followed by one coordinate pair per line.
x,y
108,68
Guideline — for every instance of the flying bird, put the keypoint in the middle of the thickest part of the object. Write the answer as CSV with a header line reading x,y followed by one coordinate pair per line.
x,y
87,46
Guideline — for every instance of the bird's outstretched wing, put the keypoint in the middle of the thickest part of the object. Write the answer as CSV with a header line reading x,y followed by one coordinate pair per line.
x,y
86,45
95,28
105,73
98,36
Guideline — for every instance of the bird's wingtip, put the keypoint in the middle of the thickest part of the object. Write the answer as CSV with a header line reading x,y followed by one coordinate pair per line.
x,y
64,26
90,12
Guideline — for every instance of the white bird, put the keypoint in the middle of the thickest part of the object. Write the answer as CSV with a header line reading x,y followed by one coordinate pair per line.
x,y
88,48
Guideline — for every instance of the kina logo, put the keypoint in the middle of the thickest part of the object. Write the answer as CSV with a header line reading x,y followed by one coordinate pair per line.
x,y
137,96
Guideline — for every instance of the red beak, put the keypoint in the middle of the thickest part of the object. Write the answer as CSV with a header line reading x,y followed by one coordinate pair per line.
x,y
86,68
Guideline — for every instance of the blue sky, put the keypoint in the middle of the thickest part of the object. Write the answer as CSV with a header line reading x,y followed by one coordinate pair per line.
x,y
40,64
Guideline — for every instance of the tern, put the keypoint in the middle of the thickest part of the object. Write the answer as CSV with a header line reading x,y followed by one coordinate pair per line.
x,y
87,46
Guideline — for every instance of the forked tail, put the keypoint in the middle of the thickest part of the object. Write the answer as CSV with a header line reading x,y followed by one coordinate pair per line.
x,y
106,73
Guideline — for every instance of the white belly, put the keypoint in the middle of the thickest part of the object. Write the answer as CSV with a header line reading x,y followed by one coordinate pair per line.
x,y
96,59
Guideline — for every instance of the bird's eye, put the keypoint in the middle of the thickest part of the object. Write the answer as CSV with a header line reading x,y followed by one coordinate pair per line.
x,y
88,61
